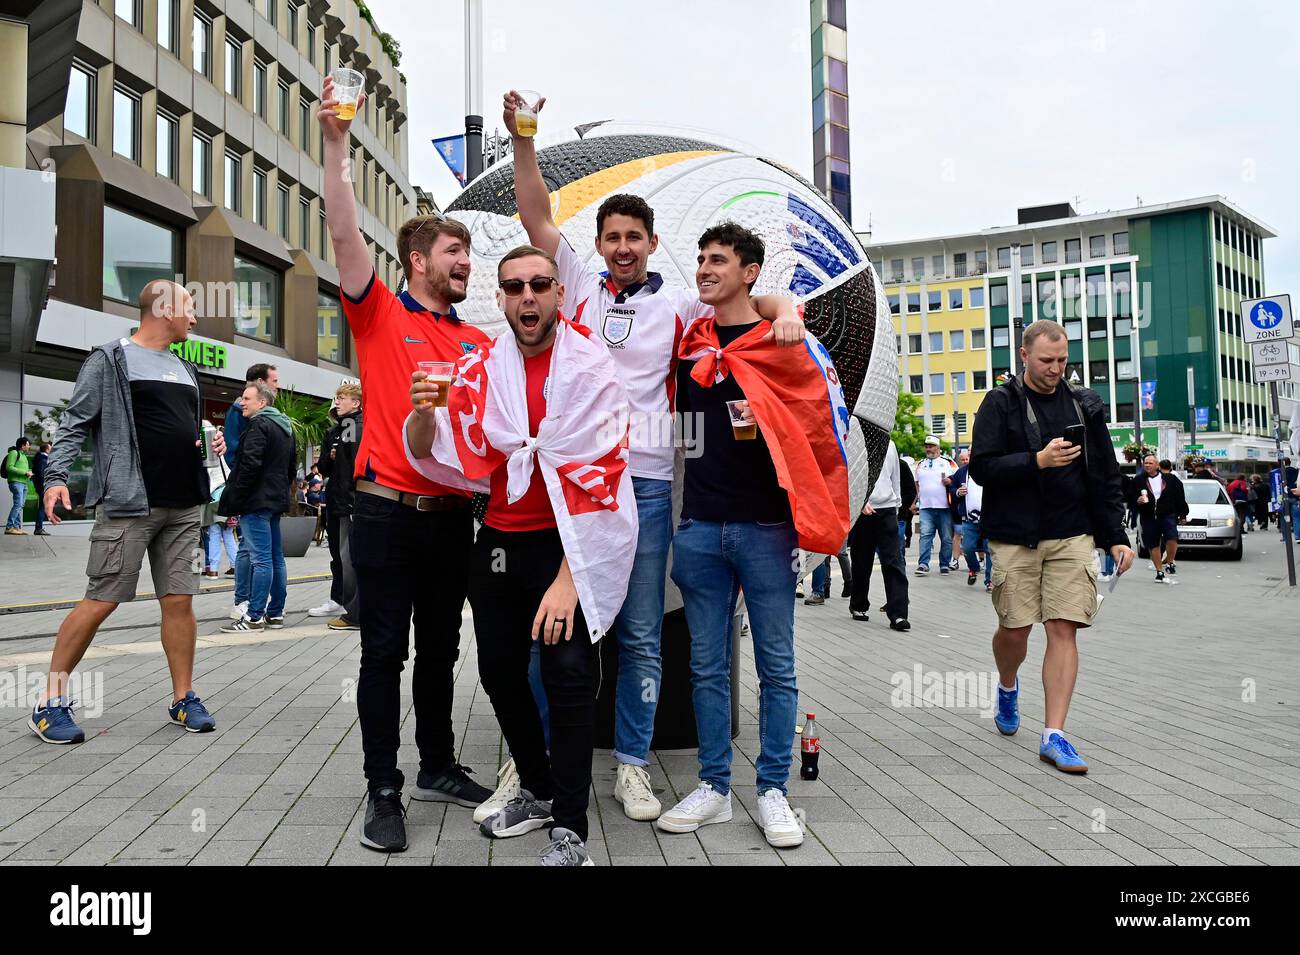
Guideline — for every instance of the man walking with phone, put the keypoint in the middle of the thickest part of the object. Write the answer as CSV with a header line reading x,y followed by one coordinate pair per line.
x,y
1052,493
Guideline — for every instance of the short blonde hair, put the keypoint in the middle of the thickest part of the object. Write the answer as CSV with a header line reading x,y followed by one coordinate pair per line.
x,y
349,390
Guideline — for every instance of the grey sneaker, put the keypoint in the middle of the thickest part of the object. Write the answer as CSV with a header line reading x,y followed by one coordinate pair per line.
x,y
566,849
521,814
815,600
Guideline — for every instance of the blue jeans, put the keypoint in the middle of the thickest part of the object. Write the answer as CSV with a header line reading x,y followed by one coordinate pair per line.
x,y
821,578
971,541
19,491
1295,518
539,691
712,562
640,624
270,578
932,519
217,534
243,568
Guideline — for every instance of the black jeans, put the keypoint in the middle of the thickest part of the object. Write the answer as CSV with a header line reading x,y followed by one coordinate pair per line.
x,y
509,574
409,564
872,532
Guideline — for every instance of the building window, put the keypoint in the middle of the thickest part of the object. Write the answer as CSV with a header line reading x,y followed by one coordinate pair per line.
x,y
1123,327
1099,372
79,114
918,266
311,44
893,303
1049,253
282,210
1004,257
126,124
938,422
959,264
954,299
234,66
1027,254
259,197
976,297
1097,247
202,44
959,422
232,182
166,146
1001,337
168,22
202,171
1072,250
304,125
936,343
914,301
936,265
1074,330
257,301
136,251
936,383
1097,327
304,223
956,340
259,88
1119,243
292,28
282,96
998,296
323,239
914,343
271,11
128,10
332,338
981,262
934,301
916,384
1124,370
958,382
980,380
976,339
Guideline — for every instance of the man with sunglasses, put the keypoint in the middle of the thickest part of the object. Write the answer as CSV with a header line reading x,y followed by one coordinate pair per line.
x,y
409,534
642,321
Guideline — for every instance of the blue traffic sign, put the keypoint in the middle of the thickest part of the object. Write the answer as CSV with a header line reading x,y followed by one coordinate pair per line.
x,y
1266,314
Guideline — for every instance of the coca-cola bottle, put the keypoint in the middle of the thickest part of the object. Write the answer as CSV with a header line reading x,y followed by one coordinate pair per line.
x,y
811,745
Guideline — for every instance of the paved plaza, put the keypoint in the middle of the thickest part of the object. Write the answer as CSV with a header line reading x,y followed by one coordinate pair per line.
x,y
1187,709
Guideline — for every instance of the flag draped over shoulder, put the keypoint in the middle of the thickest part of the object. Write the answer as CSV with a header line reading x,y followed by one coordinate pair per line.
x,y
797,400
581,447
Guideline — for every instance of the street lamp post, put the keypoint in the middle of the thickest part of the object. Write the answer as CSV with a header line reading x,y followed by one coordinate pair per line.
x,y
473,89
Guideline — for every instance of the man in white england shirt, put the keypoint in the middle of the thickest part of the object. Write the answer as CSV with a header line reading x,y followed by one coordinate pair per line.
x,y
933,475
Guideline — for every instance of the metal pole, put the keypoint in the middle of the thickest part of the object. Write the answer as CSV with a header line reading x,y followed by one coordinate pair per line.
x,y
1017,307
1191,404
1284,513
473,89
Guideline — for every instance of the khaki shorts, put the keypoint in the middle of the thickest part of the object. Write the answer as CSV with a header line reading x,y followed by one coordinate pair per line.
x,y
169,535
1057,580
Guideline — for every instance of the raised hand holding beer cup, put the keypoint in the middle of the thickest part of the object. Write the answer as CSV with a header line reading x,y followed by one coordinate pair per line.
x,y
339,102
519,112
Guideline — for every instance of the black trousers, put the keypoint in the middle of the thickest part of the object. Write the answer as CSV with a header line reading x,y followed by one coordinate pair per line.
x,y
872,532
410,565
510,572
343,577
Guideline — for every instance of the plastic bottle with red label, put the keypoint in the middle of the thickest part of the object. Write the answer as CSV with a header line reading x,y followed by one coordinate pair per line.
x,y
811,745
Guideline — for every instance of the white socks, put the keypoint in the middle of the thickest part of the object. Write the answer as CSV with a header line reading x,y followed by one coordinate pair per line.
x,y
1047,734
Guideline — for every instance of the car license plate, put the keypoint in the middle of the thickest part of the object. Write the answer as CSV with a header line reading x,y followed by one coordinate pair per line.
x,y
1193,535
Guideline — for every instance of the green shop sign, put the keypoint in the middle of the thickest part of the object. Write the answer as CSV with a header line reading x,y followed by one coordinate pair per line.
x,y
1121,435
201,353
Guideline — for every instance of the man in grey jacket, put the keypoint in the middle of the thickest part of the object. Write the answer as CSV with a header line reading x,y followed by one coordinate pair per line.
x,y
877,529
139,404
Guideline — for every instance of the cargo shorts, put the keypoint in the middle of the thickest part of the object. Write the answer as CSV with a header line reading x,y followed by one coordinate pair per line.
x,y
169,535
1057,580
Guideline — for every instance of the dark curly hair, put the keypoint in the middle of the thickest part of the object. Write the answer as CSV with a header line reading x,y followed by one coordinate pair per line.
x,y
625,204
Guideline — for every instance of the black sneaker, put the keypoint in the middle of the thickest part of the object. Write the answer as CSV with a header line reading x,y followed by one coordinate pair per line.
x,y
971,575
385,825
451,785
1171,570
901,625
848,589
861,615
1160,578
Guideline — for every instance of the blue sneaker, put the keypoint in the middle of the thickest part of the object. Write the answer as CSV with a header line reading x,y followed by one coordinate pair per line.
x,y
53,722
1007,716
1058,751
192,714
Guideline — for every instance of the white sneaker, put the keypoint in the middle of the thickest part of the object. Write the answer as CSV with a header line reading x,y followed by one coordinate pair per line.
x,y
780,826
632,789
703,807
328,609
507,789
1103,578
239,611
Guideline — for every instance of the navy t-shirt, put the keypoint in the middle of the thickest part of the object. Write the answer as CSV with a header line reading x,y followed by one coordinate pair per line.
x,y
165,404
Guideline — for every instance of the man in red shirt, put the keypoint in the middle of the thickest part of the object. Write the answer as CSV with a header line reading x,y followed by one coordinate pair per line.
x,y
410,534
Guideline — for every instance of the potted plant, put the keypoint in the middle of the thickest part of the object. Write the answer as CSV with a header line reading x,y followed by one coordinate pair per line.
x,y
309,418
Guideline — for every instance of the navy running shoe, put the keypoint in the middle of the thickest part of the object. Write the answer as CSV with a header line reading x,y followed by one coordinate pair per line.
x,y
192,714
53,722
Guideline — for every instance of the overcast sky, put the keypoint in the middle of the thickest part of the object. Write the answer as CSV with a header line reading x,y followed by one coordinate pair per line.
x,y
960,111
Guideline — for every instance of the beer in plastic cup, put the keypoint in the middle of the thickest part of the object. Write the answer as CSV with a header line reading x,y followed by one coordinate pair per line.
x,y
438,373
526,114
743,425
347,90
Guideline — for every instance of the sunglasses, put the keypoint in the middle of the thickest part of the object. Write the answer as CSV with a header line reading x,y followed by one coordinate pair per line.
x,y
540,285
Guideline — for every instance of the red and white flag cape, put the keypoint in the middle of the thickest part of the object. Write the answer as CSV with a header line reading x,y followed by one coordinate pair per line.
x,y
797,400
581,447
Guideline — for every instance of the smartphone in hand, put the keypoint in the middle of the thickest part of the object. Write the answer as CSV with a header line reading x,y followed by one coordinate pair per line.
x,y
1074,434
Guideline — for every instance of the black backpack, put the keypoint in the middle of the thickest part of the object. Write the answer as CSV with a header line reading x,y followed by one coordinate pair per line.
x,y
4,464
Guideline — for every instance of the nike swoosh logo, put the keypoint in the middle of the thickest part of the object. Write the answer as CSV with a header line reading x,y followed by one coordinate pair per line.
x,y
415,341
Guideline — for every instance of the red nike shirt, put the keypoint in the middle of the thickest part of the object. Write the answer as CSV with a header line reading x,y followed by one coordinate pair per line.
x,y
392,334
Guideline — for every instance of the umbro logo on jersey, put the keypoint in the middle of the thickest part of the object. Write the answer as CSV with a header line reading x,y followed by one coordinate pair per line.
x,y
417,341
